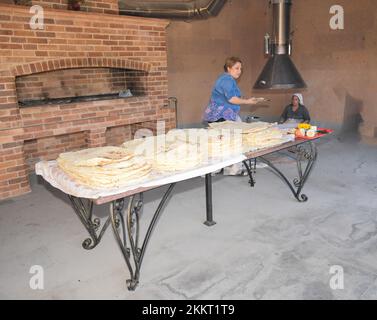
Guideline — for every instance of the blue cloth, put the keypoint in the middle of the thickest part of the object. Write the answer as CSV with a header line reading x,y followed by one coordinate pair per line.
x,y
219,106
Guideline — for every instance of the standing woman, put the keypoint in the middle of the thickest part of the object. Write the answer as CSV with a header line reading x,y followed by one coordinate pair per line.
x,y
226,100
225,103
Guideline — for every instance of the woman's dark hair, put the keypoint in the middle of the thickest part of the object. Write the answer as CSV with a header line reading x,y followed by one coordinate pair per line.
x,y
230,62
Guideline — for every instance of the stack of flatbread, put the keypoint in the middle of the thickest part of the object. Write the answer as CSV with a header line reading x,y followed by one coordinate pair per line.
x,y
263,139
104,167
178,156
170,152
241,127
212,143
255,135
146,147
223,143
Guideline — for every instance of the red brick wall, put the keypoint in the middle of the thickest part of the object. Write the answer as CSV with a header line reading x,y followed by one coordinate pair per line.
x,y
13,170
115,136
71,40
50,147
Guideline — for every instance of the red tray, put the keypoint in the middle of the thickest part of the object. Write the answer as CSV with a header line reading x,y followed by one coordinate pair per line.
x,y
318,135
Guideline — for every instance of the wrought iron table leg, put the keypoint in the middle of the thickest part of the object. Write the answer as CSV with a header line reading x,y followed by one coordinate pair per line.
x,y
302,154
209,210
85,214
132,253
251,167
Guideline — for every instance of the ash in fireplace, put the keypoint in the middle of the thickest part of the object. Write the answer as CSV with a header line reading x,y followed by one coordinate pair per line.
x,y
120,95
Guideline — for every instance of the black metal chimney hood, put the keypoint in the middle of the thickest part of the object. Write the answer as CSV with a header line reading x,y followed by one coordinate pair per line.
x,y
280,71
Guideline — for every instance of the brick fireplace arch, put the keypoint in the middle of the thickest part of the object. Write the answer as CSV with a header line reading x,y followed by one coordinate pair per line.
x,y
67,63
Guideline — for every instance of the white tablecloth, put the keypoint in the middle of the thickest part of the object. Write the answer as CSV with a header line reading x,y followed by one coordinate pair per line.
x,y
51,172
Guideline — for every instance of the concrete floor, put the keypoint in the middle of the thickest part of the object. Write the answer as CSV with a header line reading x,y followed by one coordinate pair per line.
x,y
265,244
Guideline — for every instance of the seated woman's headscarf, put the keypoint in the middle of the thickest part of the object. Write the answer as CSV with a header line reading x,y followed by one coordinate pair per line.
x,y
300,97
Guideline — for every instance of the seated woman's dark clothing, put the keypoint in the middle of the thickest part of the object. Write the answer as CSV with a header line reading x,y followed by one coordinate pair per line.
x,y
301,114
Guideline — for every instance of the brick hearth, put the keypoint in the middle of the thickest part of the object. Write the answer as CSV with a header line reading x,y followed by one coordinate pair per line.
x,y
75,44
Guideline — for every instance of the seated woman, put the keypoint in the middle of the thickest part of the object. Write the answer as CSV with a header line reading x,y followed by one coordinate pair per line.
x,y
296,111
